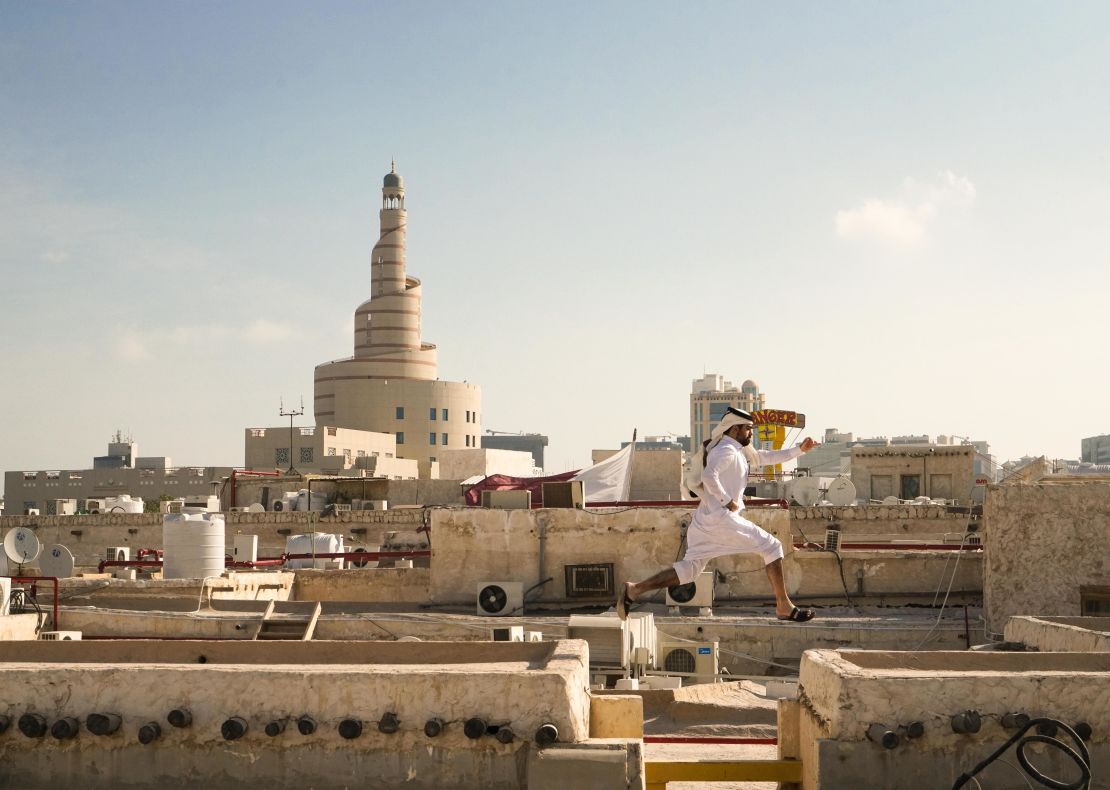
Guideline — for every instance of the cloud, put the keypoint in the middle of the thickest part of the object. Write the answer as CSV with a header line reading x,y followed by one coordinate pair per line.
x,y
54,256
262,331
905,220
136,345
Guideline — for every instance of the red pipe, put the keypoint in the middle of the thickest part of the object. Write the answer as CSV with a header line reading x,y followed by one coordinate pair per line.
x,y
32,580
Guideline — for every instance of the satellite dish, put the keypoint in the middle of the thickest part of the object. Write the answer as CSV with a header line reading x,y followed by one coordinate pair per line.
x,y
892,500
56,561
256,508
806,491
21,546
842,492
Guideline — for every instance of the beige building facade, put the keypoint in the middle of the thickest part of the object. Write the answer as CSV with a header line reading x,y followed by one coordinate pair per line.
x,y
910,471
390,383
326,449
710,398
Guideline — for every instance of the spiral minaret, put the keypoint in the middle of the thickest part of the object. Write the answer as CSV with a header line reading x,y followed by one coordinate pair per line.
x,y
390,384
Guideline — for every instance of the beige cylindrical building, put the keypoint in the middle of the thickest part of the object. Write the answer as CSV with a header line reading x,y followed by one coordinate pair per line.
x,y
390,383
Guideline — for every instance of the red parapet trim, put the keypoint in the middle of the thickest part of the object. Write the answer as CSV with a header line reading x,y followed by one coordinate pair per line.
x,y
695,739
902,546
358,555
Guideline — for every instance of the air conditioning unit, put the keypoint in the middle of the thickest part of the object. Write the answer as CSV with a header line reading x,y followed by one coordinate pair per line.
x,y
610,639
59,636
507,500
697,593
237,510
65,507
974,540
95,505
31,511
565,494
5,595
342,508
696,659
500,599
533,636
644,638
512,633
118,553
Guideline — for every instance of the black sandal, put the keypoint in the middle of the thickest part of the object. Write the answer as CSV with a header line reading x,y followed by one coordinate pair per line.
x,y
798,615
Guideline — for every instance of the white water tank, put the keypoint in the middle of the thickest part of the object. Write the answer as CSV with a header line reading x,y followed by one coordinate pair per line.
x,y
325,543
193,545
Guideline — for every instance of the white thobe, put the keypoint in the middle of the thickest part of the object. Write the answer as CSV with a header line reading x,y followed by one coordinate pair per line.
x,y
715,530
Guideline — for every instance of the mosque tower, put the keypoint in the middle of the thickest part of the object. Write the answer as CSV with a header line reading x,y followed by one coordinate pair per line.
x,y
389,385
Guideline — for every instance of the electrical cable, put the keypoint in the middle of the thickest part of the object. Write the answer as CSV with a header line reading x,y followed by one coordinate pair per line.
x,y
1080,756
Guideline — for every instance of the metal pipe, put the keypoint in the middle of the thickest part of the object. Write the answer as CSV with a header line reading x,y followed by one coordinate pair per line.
x,y
306,725
234,728
882,735
65,728
103,723
149,732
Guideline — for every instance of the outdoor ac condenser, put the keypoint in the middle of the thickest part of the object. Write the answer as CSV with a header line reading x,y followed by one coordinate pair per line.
x,y
118,553
609,638
698,593
500,599
698,658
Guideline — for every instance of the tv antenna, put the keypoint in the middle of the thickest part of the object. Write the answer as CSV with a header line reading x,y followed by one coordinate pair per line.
x,y
290,414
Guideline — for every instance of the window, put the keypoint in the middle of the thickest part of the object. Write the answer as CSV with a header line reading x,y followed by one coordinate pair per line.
x,y
362,453
347,456
911,486
444,442
468,415
400,412
281,455
331,451
400,437
432,459
468,440
432,413
432,437
306,455
1094,601
444,415
882,486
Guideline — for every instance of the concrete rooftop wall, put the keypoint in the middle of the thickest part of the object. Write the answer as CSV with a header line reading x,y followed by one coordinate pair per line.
x,y
518,685
843,692
1045,542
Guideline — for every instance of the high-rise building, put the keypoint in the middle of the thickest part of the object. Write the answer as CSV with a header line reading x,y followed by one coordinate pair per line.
x,y
709,401
390,384
1095,449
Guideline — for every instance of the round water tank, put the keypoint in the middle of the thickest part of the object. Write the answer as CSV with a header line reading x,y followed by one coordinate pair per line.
x,y
193,545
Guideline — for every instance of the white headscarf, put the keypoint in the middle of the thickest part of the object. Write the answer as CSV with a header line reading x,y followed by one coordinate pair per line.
x,y
730,420
696,464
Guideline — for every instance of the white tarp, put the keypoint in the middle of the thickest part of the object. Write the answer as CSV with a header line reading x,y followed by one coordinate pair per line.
x,y
608,481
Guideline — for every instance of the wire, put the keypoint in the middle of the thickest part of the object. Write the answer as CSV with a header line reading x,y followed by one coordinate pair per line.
x,y
1023,776
1080,756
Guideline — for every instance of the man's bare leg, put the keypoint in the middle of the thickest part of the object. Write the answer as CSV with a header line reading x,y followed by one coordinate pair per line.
x,y
666,578
783,605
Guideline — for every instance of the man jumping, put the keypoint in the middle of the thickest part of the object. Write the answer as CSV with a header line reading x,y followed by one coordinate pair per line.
x,y
718,528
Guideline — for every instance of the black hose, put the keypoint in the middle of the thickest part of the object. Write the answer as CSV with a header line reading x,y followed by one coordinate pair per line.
x,y
1079,755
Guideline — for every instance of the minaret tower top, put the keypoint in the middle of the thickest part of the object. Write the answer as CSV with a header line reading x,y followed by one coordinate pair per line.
x,y
393,189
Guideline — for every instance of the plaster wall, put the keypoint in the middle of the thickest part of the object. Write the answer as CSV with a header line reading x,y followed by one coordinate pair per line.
x,y
521,685
475,545
461,464
867,522
843,692
1045,542
315,448
1061,634
656,474
380,585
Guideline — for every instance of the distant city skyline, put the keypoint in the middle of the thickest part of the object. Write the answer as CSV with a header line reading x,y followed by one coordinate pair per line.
x,y
892,217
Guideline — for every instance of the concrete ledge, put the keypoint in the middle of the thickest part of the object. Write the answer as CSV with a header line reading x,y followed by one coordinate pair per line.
x,y
617,716
597,764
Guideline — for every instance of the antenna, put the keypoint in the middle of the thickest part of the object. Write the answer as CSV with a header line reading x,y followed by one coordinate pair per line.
x,y
290,414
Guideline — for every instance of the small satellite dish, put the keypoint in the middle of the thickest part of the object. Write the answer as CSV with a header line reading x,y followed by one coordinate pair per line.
x,y
892,500
256,508
56,561
806,491
842,492
21,546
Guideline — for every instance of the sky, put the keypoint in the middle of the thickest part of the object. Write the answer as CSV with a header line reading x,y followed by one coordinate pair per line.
x,y
891,216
